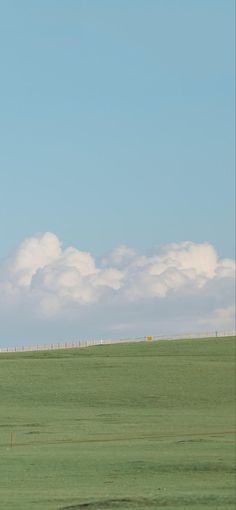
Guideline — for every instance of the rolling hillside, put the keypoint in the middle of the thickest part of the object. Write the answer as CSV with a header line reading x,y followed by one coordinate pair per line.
x,y
130,426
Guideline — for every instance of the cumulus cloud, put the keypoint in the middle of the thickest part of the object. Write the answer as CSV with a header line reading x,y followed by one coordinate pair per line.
x,y
124,292
54,277
33,254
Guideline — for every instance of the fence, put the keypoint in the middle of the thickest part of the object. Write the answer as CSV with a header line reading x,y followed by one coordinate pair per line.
x,y
77,344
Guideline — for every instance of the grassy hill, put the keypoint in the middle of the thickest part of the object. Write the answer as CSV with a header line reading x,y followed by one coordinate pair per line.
x,y
127,426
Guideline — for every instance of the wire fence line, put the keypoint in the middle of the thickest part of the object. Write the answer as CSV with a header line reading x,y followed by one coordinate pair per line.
x,y
77,344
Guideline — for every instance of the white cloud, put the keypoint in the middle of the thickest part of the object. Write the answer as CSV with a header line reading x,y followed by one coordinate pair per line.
x,y
42,270
119,257
185,284
33,253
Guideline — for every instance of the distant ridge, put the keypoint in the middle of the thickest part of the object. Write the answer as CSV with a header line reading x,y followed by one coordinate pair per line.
x,y
76,344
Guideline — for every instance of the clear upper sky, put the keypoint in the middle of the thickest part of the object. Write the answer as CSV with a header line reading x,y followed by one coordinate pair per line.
x,y
117,122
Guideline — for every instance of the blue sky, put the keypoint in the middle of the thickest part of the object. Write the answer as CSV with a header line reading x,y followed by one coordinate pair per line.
x,y
117,122
116,128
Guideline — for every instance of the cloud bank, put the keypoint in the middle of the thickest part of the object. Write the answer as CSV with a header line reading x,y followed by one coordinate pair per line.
x,y
55,289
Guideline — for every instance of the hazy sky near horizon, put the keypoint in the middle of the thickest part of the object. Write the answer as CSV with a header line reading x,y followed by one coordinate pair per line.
x,y
117,128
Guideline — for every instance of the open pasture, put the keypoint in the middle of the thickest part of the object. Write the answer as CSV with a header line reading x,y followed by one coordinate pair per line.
x,y
125,426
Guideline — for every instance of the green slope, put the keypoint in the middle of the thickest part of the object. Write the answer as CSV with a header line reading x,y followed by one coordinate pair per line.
x,y
127,426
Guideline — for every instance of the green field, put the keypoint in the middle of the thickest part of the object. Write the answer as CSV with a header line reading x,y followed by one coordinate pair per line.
x,y
125,426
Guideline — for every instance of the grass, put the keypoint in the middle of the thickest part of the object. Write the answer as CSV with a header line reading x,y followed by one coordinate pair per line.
x,y
127,426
